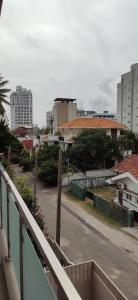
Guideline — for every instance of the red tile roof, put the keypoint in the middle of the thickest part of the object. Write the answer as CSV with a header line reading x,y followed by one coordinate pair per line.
x,y
129,164
92,123
28,144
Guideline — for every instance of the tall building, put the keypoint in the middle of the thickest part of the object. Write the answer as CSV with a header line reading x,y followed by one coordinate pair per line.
x,y
21,108
65,109
127,99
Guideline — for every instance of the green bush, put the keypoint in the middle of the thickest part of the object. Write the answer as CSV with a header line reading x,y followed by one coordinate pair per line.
x,y
27,194
26,161
48,173
8,168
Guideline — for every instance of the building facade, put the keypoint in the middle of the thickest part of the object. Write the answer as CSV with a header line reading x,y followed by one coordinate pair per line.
x,y
74,127
21,108
64,110
127,99
93,114
126,183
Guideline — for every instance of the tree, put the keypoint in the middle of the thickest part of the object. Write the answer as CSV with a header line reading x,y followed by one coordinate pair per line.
x,y
48,153
48,173
93,149
7,139
3,92
4,136
127,141
26,161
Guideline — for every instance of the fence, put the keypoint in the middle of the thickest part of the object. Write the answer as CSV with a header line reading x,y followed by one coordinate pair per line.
x,y
19,227
124,216
77,190
121,214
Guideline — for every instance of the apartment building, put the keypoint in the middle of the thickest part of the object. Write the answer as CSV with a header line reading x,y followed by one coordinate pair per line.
x,y
21,108
127,99
65,109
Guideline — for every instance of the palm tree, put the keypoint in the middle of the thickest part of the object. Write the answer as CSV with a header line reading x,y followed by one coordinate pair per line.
x,y
3,95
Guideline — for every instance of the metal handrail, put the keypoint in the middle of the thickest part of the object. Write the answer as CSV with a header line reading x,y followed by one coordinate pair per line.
x,y
54,265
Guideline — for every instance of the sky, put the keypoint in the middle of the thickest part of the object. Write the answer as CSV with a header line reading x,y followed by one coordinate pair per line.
x,y
68,48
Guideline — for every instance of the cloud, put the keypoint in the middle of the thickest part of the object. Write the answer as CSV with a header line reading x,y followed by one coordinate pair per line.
x,y
106,86
68,48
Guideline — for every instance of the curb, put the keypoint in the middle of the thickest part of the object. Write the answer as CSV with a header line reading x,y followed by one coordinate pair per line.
x,y
88,225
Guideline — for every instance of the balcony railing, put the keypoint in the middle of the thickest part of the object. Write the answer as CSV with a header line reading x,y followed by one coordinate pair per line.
x,y
18,223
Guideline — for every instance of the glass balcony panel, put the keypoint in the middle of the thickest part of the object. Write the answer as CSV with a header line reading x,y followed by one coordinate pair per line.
x,y
4,203
14,236
35,282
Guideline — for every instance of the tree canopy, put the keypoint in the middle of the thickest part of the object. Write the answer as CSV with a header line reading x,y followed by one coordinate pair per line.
x,y
3,94
7,139
128,141
93,149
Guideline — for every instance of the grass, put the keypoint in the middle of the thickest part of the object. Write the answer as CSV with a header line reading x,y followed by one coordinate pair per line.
x,y
93,211
104,192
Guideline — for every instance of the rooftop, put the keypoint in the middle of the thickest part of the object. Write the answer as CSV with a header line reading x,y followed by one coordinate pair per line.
x,y
129,164
65,100
92,123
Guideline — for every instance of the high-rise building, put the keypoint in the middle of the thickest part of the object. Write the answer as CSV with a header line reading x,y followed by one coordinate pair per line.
x,y
127,99
21,108
65,109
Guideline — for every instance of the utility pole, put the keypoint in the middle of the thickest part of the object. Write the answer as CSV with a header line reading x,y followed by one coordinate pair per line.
x,y
35,175
58,225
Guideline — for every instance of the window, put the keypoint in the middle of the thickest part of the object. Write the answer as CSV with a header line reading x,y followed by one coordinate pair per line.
x,y
129,197
136,199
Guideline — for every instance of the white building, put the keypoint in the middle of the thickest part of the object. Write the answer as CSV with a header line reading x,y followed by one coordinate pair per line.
x,y
126,183
127,99
21,108
65,109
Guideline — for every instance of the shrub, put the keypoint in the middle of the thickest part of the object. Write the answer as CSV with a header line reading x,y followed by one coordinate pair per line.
x,y
48,173
27,194
25,161
8,167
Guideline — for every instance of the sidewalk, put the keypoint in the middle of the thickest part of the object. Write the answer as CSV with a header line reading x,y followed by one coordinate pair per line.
x,y
120,238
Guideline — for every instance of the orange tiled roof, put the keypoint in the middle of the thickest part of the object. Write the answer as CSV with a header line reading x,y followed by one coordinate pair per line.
x,y
129,164
92,123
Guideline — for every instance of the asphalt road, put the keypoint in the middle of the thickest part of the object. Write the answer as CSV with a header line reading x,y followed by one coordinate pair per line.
x,y
80,244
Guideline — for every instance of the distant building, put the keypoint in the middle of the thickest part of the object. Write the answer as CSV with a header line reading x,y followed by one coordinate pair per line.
x,y
65,109
127,99
93,114
74,127
21,108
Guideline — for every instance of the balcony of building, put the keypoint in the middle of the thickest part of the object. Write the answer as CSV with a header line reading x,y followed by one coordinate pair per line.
x,y
30,270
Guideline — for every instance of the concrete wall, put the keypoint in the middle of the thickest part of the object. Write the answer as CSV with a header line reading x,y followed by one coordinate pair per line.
x,y
134,116
119,102
127,99
63,112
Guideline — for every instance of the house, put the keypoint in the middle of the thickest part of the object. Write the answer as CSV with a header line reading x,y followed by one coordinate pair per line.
x,y
74,127
126,182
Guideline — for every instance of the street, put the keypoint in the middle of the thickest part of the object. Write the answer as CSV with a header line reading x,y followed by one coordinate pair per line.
x,y
80,244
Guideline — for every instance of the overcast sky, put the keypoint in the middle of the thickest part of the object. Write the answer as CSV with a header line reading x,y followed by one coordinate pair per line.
x,y
68,48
